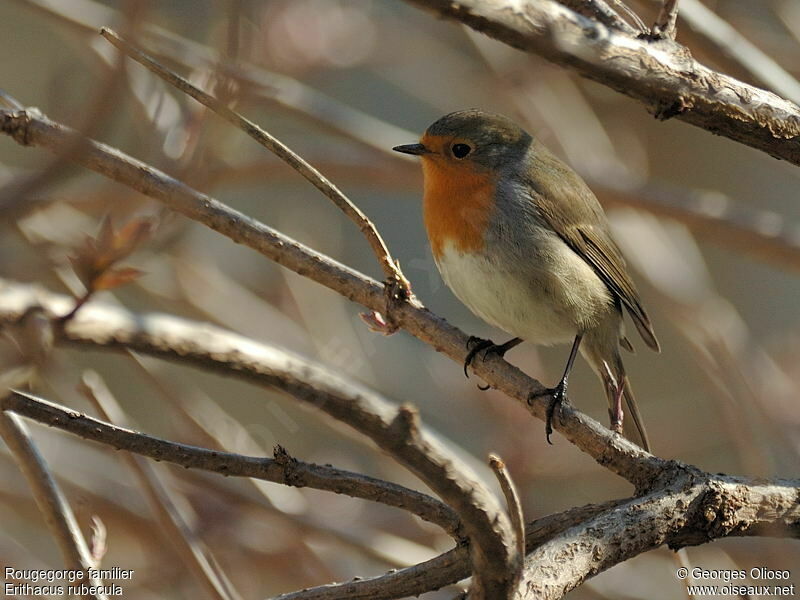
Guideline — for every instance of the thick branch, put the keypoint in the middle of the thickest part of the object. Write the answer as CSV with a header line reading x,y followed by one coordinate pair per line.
x,y
757,64
445,569
612,451
696,507
661,74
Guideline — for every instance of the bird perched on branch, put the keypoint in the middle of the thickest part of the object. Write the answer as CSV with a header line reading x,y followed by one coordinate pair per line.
x,y
523,242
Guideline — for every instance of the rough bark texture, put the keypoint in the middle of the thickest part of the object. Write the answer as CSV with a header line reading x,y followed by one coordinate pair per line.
x,y
661,74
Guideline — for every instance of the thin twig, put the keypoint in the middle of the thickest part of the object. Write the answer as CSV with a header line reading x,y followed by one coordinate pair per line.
x,y
667,20
599,11
631,13
292,472
190,548
388,264
50,499
513,503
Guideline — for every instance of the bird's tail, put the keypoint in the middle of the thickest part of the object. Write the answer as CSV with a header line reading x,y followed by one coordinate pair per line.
x,y
635,416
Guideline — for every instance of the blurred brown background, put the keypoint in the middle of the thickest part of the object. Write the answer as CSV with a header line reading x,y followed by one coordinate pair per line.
x,y
341,82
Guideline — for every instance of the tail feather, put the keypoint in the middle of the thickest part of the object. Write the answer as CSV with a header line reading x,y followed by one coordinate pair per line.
x,y
635,416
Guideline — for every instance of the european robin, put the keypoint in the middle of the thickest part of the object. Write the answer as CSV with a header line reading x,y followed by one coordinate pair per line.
x,y
522,241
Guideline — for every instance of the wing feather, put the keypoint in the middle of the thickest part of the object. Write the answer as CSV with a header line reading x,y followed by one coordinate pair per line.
x,y
572,210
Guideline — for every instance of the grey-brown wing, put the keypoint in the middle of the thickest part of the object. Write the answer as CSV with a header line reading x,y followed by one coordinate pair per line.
x,y
572,210
600,251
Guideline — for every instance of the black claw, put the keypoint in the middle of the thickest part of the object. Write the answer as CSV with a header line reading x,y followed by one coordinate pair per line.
x,y
488,347
475,345
557,395
473,339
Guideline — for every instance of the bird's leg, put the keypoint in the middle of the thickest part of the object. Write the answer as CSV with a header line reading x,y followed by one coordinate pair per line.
x,y
476,345
558,393
617,415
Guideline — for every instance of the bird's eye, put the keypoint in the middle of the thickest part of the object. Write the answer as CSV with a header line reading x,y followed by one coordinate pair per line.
x,y
460,150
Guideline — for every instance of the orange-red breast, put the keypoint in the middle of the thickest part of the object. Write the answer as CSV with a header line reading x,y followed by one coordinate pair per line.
x,y
523,242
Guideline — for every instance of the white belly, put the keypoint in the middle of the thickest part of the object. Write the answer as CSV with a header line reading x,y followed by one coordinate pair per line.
x,y
544,304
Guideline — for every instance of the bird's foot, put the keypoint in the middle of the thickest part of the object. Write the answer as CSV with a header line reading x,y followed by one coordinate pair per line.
x,y
476,345
558,395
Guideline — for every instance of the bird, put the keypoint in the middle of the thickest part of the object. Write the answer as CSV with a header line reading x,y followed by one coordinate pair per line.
x,y
522,241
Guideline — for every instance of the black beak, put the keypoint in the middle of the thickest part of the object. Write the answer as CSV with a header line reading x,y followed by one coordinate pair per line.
x,y
416,149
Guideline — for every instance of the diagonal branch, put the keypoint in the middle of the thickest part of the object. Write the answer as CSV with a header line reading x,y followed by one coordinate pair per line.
x,y
183,537
667,20
50,499
88,16
29,127
660,74
274,145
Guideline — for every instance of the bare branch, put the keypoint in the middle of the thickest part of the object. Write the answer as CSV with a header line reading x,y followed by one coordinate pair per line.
x,y
679,494
284,470
433,574
397,431
757,63
513,503
29,127
50,499
317,179
445,569
689,511
667,20
401,436
660,74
